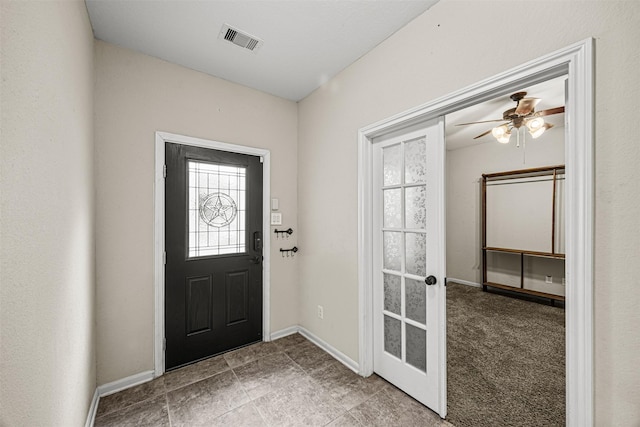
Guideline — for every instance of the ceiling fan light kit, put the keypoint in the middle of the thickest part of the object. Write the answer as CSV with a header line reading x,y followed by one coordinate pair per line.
x,y
523,114
536,133
535,124
502,133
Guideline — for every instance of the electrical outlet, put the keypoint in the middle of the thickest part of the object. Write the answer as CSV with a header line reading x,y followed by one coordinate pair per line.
x,y
320,312
548,279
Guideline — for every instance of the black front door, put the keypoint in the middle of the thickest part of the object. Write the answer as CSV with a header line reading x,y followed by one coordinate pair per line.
x,y
213,238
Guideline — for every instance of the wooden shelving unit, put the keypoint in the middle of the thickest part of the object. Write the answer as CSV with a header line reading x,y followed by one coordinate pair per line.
x,y
545,172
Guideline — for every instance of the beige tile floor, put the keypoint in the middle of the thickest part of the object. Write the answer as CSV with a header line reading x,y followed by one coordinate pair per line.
x,y
287,382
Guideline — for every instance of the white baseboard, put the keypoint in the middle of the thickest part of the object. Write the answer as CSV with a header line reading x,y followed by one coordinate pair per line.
x,y
114,387
143,377
464,282
334,352
284,332
93,408
125,383
337,354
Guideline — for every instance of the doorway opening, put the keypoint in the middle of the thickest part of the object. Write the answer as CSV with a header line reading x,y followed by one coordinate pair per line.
x,y
575,62
162,139
506,261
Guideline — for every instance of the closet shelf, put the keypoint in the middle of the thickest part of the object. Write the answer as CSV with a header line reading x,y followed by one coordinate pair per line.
x,y
524,252
526,209
524,291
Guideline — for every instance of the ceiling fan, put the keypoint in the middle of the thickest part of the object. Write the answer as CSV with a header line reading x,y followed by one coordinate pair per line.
x,y
523,114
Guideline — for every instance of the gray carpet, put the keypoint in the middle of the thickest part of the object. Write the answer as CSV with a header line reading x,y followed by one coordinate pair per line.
x,y
505,360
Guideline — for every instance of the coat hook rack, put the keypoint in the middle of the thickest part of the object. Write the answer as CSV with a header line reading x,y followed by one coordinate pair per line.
x,y
289,252
278,233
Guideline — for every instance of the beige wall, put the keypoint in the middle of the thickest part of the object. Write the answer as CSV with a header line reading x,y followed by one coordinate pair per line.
x,y
137,95
465,167
47,307
47,344
453,45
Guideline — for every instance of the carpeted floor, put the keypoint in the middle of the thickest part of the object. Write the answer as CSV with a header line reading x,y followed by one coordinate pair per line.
x,y
505,360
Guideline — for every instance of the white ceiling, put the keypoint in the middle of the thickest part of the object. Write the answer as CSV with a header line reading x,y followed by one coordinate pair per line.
x,y
550,92
306,42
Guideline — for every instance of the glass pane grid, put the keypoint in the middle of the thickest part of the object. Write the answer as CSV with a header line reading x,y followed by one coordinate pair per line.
x,y
216,209
405,174
408,321
392,314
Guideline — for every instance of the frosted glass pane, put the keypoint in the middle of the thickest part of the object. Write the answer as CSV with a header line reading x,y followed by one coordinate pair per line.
x,y
392,297
392,208
415,300
216,209
416,347
415,159
392,248
415,208
416,245
393,336
392,164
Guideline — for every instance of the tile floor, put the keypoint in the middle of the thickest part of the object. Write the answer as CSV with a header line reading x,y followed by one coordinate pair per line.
x,y
287,382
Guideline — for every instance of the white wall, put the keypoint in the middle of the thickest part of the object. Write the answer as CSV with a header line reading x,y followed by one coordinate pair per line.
x,y
453,45
465,167
137,95
47,322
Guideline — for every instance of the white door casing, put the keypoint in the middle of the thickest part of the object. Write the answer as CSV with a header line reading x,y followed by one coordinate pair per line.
x,y
577,63
408,246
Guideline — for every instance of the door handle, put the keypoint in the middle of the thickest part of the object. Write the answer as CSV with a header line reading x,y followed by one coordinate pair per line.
x,y
431,280
256,259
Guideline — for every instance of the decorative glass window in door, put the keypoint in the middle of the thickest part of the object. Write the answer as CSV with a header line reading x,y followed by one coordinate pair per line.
x,y
404,241
217,209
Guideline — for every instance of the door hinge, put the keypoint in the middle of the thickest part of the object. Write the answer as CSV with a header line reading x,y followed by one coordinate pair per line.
x,y
164,258
164,171
445,281
164,344
261,159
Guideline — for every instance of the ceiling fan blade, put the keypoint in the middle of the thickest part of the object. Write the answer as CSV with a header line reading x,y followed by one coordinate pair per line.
x,y
483,134
526,106
484,121
550,111
489,131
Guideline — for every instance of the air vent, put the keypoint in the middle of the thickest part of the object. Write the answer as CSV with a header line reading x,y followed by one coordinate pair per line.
x,y
240,38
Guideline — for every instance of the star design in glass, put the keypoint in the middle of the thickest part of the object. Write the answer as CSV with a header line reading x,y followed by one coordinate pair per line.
x,y
218,209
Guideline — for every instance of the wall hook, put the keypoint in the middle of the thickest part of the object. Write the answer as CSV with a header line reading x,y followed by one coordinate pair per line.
x,y
288,232
289,252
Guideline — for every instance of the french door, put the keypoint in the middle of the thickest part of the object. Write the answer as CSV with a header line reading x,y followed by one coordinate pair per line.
x,y
409,262
213,271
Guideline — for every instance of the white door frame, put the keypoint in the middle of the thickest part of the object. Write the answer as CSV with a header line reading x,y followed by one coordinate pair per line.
x,y
577,63
159,239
